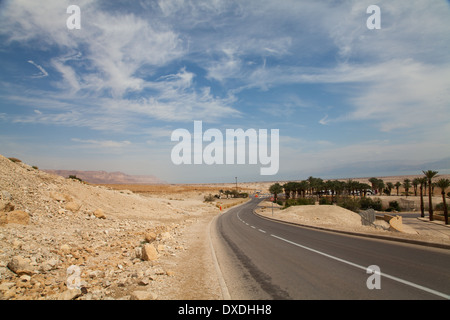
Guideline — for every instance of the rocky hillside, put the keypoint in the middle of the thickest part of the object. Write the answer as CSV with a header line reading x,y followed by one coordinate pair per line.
x,y
103,177
62,239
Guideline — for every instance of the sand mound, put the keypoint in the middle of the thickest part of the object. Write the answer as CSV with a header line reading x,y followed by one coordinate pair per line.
x,y
314,215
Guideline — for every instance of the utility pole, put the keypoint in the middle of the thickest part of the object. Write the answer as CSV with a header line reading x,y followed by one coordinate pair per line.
x,y
236,184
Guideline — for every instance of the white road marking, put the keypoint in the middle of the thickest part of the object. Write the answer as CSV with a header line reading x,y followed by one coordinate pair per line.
x,y
417,286
261,230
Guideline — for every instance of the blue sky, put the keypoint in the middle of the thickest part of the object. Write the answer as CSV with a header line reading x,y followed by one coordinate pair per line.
x,y
348,101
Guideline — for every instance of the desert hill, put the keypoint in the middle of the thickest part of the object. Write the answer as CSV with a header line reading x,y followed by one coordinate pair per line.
x,y
103,177
124,245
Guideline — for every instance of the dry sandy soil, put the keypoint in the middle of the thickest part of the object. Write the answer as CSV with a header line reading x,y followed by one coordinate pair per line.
x,y
49,223
128,241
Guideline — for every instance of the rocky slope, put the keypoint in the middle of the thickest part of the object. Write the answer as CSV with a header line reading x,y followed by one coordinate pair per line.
x,y
62,239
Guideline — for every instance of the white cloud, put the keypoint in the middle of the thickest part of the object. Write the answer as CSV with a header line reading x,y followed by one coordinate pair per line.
x,y
408,95
131,70
102,143
43,73
324,121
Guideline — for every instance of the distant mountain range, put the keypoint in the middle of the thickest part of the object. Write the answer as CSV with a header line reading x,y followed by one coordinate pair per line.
x,y
103,177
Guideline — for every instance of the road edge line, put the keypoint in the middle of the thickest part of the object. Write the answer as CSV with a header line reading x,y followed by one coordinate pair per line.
x,y
223,286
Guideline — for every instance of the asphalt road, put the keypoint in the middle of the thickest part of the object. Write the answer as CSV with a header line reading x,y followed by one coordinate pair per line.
x,y
263,259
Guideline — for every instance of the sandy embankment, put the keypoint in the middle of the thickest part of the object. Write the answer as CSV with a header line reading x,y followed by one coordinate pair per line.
x,y
336,218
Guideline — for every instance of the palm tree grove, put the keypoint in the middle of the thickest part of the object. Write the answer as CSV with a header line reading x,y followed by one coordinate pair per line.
x,y
354,195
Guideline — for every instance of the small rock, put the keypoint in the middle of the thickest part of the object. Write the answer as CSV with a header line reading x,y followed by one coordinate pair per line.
x,y
143,295
6,195
73,206
65,248
49,265
165,236
69,294
5,286
138,252
99,214
25,278
150,237
6,206
20,266
17,216
170,273
58,196
149,252
144,282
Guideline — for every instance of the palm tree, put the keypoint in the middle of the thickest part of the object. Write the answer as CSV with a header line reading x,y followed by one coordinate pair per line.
x,y
444,184
407,185
350,186
423,183
380,186
276,189
373,181
430,174
390,186
288,188
415,183
303,187
397,186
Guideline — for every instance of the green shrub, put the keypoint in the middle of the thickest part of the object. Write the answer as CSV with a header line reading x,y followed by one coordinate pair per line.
x,y
298,202
75,178
440,206
393,206
349,203
369,203
325,201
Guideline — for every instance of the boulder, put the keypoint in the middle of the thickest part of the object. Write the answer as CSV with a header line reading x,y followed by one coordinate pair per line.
x,y
20,266
150,236
17,216
149,252
58,196
99,214
72,206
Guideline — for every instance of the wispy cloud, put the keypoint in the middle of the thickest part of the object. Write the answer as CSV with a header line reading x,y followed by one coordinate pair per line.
x,y
102,143
43,73
144,68
324,120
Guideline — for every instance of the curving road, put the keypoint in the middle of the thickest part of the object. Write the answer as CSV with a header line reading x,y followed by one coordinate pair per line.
x,y
263,259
